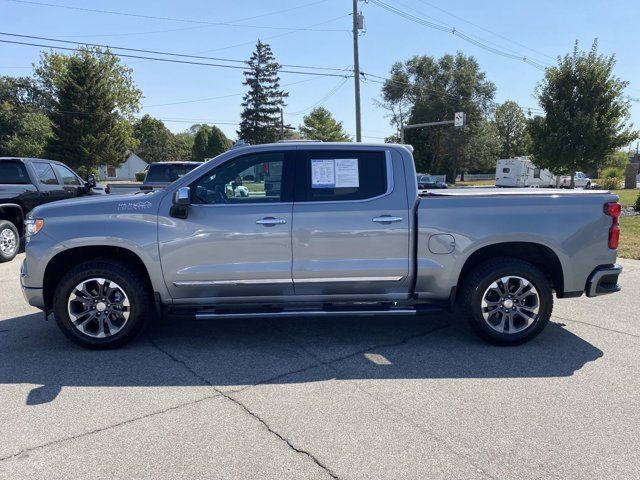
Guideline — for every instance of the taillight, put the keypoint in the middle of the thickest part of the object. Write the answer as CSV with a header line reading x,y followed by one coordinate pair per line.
x,y
613,209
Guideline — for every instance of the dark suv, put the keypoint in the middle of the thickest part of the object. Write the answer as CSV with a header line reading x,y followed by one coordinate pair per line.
x,y
26,183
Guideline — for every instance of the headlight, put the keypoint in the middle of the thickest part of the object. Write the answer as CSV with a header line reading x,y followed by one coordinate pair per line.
x,y
32,226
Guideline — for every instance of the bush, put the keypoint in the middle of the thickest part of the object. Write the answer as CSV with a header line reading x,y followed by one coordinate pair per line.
x,y
140,176
636,205
612,172
610,183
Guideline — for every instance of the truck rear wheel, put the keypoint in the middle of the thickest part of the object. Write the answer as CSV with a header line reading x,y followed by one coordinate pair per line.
x,y
9,241
101,304
509,301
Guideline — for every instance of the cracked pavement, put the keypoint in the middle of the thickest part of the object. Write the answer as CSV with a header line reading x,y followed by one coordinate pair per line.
x,y
346,398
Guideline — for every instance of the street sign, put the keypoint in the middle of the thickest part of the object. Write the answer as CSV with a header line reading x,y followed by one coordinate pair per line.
x,y
458,119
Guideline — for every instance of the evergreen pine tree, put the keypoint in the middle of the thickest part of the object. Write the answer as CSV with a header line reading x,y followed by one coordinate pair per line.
x,y
260,118
87,129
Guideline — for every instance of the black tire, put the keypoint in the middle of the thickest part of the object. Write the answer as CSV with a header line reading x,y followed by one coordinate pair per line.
x,y
479,281
7,231
131,281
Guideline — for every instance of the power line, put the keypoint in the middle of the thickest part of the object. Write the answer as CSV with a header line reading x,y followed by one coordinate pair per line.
x,y
172,19
170,60
487,30
239,94
276,12
326,97
457,33
432,91
159,52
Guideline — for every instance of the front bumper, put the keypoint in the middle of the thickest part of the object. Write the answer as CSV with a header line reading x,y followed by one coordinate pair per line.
x,y
33,296
604,280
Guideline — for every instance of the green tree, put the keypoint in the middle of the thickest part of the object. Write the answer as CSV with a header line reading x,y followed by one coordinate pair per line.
x,y
183,146
586,114
218,143
424,89
24,125
51,70
201,143
320,125
31,138
511,125
260,117
88,128
155,143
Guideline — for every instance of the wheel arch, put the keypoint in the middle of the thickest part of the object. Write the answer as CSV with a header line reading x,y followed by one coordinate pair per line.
x,y
537,254
13,213
64,261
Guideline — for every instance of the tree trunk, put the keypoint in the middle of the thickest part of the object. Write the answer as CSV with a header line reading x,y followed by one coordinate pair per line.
x,y
573,180
462,176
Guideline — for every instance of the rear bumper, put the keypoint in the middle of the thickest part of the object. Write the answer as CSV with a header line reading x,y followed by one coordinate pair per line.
x,y
604,280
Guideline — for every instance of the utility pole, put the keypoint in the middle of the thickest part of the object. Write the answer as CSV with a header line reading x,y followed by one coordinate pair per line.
x,y
356,68
281,123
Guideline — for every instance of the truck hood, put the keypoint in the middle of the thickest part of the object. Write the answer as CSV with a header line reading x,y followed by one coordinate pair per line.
x,y
100,204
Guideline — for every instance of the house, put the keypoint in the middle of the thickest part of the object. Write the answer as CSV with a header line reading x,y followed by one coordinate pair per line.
x,y
126,171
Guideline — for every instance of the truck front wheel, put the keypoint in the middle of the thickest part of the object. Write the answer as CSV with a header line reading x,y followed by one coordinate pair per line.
x,y
9,241
508,301
101,304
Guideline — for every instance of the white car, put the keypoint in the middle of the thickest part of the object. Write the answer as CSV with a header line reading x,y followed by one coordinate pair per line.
x,y
580,181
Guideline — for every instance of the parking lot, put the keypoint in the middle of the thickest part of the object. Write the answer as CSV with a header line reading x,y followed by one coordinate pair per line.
x,y
324,398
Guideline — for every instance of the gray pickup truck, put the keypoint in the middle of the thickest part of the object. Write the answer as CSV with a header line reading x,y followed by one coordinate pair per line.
x,y
345,232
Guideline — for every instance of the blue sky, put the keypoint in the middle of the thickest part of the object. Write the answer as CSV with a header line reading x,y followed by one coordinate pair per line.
x,y
540,29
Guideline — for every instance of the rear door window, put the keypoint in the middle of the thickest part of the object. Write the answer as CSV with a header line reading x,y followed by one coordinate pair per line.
x,y
342,175
13,173
45,173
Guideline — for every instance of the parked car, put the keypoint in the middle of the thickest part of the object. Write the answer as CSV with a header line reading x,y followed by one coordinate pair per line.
x,y
28,182
346,233
160,174
580,180
427,181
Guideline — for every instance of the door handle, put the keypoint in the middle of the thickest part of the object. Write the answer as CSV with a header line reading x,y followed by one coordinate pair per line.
x,y
268,221
386,219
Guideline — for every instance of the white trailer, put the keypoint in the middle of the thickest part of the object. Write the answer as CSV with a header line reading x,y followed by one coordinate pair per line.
x,y
521,172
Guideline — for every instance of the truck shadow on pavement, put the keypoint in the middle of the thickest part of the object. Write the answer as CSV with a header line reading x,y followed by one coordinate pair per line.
x,y
237,354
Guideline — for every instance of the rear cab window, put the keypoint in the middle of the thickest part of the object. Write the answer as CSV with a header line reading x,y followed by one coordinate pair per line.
x,y
341,175
13,172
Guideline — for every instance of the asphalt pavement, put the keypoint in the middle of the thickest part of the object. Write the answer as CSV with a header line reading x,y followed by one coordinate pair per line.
x,y
347,398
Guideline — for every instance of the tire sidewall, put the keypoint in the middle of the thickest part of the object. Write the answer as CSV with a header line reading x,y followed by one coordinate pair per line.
x,y
4,225
137,307
545,294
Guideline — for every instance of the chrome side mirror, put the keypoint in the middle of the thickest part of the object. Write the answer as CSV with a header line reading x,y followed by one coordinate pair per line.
x,y
181,202
182,197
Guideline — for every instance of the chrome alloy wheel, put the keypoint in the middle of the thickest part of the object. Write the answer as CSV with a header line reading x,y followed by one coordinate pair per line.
x,y
98,307
510,304
8,242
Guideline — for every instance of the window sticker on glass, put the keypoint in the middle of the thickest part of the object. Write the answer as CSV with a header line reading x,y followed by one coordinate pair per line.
x,y
323,174
347,173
